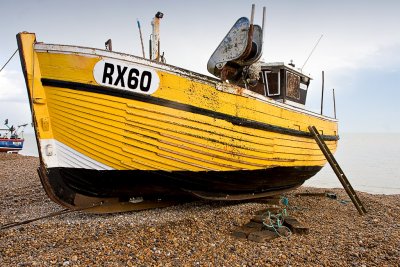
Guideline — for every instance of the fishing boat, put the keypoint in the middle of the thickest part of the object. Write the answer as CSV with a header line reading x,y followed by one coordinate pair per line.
x,y
118,128
11,138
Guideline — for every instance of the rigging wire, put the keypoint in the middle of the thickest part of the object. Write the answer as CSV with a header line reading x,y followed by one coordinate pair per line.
x,y
312,51
50,215
9,60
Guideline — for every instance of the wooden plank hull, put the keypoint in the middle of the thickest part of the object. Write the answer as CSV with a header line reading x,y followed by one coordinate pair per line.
x,y
112,125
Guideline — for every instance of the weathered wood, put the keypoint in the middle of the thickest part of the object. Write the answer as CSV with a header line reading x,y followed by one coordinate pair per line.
x,y
338,171
244,231
255,225
295,226
239,234
258,218
262,236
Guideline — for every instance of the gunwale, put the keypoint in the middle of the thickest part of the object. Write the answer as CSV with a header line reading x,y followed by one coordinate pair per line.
x,y
230,88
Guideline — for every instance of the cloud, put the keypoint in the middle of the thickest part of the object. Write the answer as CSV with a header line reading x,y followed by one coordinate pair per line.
x,y
366,95
14,103
12,87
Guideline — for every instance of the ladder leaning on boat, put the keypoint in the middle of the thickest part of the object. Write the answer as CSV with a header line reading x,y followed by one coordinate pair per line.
x,y
338,171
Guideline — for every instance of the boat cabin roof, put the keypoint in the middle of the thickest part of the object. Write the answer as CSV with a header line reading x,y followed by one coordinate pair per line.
x,y
283,65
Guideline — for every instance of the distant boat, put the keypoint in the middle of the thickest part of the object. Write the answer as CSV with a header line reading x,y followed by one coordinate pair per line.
x,y
11,138
118,128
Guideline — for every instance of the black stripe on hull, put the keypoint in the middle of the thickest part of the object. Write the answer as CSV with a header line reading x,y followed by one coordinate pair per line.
x,y
65,183
179,106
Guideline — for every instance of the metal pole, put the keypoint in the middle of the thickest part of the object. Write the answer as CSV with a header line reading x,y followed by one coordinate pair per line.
x,y
156,36
322,95
150,49
252,13
141,38
334,103
263,22
158,51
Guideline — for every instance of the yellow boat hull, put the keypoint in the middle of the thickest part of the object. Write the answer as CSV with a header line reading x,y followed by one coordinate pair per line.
x,y
111,125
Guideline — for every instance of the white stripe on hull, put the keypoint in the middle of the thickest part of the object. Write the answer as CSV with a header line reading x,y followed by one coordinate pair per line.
x,y
56,154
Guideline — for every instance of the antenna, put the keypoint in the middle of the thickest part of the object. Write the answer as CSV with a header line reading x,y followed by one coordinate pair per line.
x,y
312,51
141,38
322,94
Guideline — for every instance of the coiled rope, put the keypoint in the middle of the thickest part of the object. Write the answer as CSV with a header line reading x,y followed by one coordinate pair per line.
x,y
8,60
275,221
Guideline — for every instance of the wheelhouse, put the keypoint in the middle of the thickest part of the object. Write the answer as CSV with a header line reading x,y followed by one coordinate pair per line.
x,y
282,83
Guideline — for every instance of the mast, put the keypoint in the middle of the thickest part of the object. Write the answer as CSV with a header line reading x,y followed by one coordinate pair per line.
x,y
155,40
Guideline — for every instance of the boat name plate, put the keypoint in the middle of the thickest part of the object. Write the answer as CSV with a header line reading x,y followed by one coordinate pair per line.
x,y
126,76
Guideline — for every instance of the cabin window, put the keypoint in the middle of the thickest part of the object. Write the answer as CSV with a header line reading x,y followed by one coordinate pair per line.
x,y
272,83
257,87
292,85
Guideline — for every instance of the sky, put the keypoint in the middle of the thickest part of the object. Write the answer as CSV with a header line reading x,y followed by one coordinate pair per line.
x,y
359,51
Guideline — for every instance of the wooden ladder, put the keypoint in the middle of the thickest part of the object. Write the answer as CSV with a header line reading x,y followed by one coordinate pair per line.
x,y
338,171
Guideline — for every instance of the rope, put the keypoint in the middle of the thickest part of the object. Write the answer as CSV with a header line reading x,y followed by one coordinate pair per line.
x,y
9,60
50,215
275,221
285,201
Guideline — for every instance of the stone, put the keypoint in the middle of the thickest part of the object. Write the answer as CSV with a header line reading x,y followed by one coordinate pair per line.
x,y
258,219
239,234
312,194
336,231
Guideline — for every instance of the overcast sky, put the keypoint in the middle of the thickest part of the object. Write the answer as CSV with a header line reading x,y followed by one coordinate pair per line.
x,y
359,51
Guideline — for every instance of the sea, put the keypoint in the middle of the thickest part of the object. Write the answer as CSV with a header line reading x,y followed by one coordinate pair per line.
x,y
371,162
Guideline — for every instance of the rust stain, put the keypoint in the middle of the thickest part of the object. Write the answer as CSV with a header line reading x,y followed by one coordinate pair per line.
x,y
239,90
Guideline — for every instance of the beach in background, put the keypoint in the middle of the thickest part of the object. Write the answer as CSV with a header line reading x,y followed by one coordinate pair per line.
x,y
370,161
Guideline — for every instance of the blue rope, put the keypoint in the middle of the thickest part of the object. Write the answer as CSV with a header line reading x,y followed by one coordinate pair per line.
x,y
285,201
275,221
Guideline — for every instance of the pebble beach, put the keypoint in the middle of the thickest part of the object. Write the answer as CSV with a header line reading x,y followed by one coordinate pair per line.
x,y
198,233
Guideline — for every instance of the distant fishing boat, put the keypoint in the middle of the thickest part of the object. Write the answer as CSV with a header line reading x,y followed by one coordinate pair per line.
x,y
11,138
118,128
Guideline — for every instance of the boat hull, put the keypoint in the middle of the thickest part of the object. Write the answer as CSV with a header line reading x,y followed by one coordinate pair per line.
x,y
230,185
113,126
11,145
